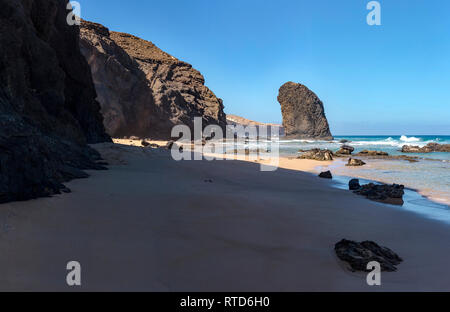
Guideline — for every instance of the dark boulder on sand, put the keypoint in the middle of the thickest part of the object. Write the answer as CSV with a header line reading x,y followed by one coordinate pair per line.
x,y
354,184
48,107
303,113
388,194
326,175
358,255
353,162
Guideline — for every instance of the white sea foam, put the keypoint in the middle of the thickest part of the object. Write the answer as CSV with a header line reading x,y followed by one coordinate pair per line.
x,y
404,138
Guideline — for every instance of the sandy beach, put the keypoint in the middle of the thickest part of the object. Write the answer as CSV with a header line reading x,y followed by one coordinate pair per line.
x,y
150,223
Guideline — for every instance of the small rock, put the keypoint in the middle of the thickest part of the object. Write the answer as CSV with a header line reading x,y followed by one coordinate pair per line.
x,y
326,175
353,162
317,154
346,150
372,153
354,184
358,255
145,143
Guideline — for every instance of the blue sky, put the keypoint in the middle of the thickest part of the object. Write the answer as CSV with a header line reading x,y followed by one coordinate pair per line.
x,y
388,79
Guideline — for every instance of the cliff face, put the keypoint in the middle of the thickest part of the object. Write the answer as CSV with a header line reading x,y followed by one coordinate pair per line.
x,y
48,110
303,113
144,91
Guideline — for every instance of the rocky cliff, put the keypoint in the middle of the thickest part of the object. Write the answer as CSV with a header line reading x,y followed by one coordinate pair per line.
x,y
303,113
48,110
144,91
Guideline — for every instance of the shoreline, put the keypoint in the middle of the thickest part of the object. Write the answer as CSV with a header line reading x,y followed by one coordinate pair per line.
x,y
163,225
308,165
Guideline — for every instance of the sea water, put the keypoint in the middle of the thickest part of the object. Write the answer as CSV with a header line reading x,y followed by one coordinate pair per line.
x,y
430,176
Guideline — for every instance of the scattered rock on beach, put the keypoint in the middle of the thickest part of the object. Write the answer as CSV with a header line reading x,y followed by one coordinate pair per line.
x,y
388,194
346,150
358,255
354,184
145,143
429,148
326,175
372,153
317,154
353,162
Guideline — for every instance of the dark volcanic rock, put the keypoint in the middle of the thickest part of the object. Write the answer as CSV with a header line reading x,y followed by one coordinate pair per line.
x,y
144,91
372,153
326,175
429,148
353,162
317,154
388,194
358,255
303,113
48,110
345,150
354,184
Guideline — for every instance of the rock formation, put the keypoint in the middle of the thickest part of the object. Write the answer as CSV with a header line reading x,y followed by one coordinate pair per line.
x,y
353,162
303,113
388,194
326,175
317,154
358,255
144,91
429,148
48,110
345,150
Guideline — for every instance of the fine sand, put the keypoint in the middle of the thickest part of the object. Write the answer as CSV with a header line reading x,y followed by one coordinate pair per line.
x,y
154,224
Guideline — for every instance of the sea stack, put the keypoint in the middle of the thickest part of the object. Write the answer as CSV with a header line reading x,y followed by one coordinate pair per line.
x,y
144,91
303,113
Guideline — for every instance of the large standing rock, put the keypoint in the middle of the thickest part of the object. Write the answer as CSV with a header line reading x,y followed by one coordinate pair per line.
x,y
144,91
48,110
303,113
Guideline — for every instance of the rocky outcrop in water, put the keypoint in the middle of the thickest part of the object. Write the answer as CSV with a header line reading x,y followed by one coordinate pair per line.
x,y
372,153
143,90
429,148
359,255
303,113
48,111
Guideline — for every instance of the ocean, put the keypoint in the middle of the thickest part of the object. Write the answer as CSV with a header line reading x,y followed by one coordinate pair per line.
x,y
430,176
428,180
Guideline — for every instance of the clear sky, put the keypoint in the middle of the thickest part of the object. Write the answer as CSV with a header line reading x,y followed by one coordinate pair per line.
x,y
388,79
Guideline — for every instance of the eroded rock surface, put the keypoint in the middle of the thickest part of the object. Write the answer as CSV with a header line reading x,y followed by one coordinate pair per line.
x,y
303,113
144,91
48,111
358,255
317,154
388,194
429,148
